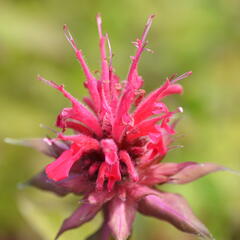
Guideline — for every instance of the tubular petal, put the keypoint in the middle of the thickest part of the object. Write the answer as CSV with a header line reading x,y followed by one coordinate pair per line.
x,y
91,81
110,151
122,110
145,127
115,88
140,47
142,111
59,169
78,110
89,102
78,127
105,70
145,108
124,156
134,82
85,142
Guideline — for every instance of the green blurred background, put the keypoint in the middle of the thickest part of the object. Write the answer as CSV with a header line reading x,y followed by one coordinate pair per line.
x,y
198,35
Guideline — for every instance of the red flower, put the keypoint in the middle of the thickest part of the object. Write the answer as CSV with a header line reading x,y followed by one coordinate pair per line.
x,y
114,157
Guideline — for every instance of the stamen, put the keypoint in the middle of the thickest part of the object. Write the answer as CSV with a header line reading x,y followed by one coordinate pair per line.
x,y
185,75
69,37
110,52
140,45
175,147
99,24
147,27
180,109
48,141
47,127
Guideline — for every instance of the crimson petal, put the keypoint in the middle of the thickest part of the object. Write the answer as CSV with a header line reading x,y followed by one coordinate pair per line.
x,y
174,209
59,169
145,108
78,109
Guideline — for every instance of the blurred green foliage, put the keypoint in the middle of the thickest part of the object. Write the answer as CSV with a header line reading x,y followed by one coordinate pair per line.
x,y
200,35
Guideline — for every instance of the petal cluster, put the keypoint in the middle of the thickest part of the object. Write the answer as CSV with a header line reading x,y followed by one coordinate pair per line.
x,y
119,131
114,155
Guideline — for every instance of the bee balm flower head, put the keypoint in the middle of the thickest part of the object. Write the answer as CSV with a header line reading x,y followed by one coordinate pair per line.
x,y
114,156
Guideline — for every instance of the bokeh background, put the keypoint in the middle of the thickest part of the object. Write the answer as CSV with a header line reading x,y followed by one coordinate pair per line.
x,y
200,35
